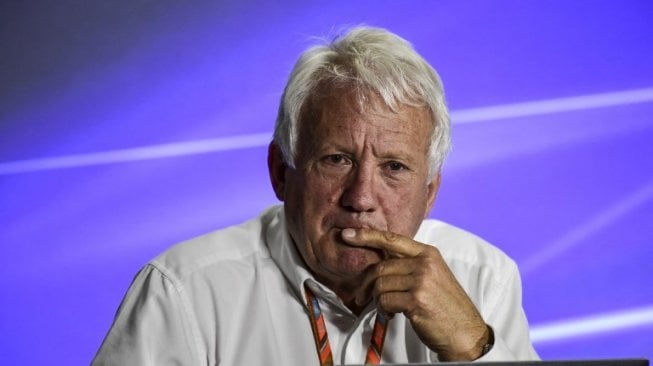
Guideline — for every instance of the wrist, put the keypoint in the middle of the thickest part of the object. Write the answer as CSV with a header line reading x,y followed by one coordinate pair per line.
x,y
473,351
488,343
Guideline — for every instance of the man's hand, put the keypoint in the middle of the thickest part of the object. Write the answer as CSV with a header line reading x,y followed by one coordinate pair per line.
x,y
415,280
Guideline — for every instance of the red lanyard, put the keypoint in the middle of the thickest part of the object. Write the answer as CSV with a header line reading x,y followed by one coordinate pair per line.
x,y
322,340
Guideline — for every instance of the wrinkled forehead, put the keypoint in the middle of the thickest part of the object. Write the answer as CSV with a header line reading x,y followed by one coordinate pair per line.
x,y
352,99
338,108
345,98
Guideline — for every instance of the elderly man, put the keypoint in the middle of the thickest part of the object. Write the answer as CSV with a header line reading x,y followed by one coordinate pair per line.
x,y
347,270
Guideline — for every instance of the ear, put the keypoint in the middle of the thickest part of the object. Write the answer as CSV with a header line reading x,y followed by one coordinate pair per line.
x,y
277,169
432,192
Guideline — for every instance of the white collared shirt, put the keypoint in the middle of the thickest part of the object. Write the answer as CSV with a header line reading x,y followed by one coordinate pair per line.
x,y
236,297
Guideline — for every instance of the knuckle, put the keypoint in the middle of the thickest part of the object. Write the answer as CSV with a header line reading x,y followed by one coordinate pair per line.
x,y
383,300
390,237
432,258
380,269
432,252
380,285
420,297
431,266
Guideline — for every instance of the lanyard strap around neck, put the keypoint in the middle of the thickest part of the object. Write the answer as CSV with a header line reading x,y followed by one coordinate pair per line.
x,y
322,345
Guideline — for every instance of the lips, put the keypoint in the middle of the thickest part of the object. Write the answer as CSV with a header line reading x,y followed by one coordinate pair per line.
x,y
344,223
336,223
337,228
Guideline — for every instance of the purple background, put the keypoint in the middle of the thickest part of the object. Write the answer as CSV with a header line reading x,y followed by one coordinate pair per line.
x,y
556,170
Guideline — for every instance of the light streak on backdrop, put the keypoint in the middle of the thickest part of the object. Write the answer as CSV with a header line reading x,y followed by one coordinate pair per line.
x,y
126,127
262,139
592,325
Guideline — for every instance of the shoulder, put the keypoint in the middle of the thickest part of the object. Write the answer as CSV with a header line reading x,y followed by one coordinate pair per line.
x,y
462,248
229,246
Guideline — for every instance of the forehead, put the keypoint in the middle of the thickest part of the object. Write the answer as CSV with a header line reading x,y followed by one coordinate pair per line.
x,y
342,111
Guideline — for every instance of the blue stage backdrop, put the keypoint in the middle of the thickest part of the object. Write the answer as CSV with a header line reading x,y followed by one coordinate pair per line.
x,y
127,126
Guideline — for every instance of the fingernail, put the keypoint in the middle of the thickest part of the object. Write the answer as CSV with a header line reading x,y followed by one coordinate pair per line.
x,y
348,233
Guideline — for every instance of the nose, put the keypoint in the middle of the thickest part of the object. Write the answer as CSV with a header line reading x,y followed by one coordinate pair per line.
x,y
359,194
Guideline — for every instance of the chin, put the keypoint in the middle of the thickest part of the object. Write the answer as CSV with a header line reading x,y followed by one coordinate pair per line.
x,y
354,261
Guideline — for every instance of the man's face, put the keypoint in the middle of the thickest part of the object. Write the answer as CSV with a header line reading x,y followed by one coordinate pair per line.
x,y
354,169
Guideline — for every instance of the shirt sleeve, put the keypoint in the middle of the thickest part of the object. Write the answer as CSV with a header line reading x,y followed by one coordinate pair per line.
x,y
508,320
151,326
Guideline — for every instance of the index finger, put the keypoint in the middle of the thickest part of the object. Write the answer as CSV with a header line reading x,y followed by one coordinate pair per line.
x,y
394,244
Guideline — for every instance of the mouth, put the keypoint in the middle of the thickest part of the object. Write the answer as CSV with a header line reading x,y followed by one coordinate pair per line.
x,y
341,223
337,238
338,222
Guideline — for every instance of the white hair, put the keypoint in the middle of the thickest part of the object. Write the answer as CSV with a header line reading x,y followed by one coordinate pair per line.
x,y
366,60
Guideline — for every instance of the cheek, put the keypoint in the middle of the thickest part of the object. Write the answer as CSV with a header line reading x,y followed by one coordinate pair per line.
x,y
315,204
405,208
321,189
400,199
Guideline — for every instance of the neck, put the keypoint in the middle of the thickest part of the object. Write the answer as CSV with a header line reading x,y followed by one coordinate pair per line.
x,y
356,309
347,294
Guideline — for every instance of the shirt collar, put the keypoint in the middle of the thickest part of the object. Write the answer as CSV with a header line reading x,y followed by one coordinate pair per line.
x,y
285,254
